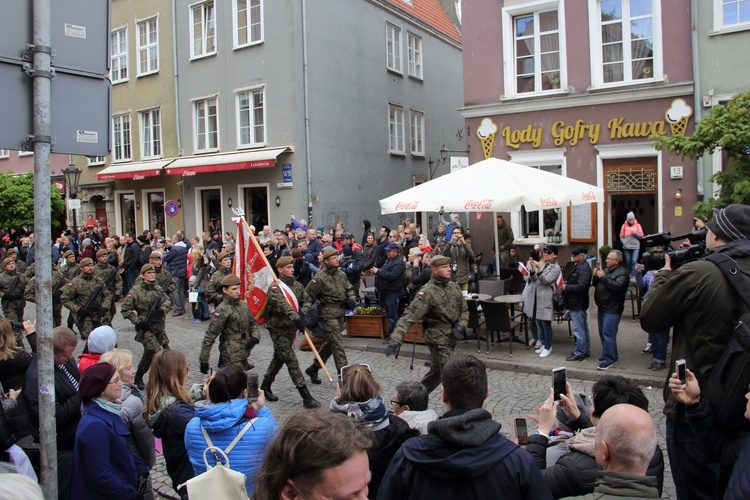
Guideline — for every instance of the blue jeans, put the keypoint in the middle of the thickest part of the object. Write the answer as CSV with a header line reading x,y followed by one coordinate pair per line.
x,y
545,332
659,342
580,321
694,476
391,309
608,325
631,258
532,327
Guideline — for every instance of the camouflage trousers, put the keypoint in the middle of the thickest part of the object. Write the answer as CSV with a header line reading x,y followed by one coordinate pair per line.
x,y
439,355
152,343
234,351
283,354
334,341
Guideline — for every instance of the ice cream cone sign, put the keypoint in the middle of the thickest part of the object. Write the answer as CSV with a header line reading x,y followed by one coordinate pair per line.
x,y
677,116
486,133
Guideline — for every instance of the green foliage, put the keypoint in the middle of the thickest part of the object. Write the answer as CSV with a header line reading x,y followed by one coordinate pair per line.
x,y
604,251
369,311
727,127
17,201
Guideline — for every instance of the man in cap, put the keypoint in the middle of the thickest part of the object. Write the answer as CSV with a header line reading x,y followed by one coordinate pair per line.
x,y
88,298
576,291
112,279
702,307
444,314
287,306
224,268
390,283
236,325
12,286
13,254
335,293
146,306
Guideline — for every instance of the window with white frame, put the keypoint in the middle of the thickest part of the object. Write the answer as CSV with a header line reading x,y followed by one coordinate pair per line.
x,y
203,29
121,138
416,128
729,14
118,47
248,22
4,153
96,160
150,133
534,48
538,224
414,54
205,124
148,46
393,47
625,41
396,129
251,117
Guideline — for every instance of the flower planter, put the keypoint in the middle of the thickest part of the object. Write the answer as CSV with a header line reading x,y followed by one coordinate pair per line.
x,y
360,325
409,337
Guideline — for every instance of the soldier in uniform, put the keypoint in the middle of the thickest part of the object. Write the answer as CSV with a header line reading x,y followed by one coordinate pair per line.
x,y
332,288
13,254
102,270
12,286
284,318
150,330
70,270
213,290
442,308
162,275
58,282
236,325
85,289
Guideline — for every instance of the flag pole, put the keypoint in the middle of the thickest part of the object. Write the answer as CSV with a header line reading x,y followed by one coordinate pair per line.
x,y
251,240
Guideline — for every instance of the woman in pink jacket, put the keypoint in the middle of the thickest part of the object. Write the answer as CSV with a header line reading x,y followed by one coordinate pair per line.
x,y
631,235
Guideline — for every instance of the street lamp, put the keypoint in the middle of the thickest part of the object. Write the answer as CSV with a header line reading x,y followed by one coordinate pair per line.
x,y
72,176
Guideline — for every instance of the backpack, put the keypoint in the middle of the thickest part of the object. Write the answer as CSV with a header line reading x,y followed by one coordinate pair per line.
x,y
726,386
219,481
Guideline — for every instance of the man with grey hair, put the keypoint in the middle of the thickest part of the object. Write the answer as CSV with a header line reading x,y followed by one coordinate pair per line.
x,y
624,445
610,286
410,404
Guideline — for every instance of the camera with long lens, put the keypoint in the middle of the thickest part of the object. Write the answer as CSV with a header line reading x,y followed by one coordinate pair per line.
x,y
655,259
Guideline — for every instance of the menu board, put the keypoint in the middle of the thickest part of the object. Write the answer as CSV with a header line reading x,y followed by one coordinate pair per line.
x,y
582,227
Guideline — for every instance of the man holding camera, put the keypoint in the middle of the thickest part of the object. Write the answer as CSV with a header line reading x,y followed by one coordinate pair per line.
x,y
703,308
461,256
577,300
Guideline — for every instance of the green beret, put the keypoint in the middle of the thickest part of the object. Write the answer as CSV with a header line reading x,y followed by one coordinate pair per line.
x,y
7,261
68,253
222,256
330,253
87,262
101,252
439,260
284,261
147,267
230,280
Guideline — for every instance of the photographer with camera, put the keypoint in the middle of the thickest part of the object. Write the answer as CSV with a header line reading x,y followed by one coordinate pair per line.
x,y
703,307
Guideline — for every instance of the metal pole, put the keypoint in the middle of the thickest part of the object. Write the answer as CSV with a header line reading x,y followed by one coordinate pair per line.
x,y
42,228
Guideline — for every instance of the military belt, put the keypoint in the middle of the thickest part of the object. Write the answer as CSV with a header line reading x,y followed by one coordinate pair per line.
x,y
234,336
440,326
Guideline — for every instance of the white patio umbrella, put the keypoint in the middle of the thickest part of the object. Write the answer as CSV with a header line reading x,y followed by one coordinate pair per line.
x,y
493,185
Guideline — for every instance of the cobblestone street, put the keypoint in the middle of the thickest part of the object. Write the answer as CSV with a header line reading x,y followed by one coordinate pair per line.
x,y
513,391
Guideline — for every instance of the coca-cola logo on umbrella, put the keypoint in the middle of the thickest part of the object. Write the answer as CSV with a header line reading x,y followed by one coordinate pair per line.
x,y
485,204
407,205
550,201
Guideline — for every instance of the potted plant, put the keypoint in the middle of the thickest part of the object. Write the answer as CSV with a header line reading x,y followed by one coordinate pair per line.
x,y
604,251
367,321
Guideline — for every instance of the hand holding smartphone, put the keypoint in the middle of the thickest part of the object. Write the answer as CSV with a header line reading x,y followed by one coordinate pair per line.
x,y
681,373
559,382
521,431
252,387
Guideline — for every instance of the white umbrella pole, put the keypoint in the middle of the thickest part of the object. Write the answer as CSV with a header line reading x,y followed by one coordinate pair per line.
x,y
497,245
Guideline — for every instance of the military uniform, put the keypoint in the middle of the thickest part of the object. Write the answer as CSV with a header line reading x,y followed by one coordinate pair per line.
x,y
58,282
281,328
239,333
440,306
135,308
162,275
12,286
101,271
70,271
75,296
213,290
332,288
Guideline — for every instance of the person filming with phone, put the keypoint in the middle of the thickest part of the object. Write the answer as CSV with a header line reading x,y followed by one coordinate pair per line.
x,y
703,308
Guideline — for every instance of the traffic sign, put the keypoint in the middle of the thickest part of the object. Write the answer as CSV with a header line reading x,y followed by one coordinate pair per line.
x,y
172,208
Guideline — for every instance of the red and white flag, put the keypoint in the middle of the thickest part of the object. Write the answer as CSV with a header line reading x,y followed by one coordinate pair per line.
x,y
252,269
522,268
559,282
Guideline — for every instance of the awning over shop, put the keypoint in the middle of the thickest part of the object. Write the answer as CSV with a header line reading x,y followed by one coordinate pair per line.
x,y
133,171
195,165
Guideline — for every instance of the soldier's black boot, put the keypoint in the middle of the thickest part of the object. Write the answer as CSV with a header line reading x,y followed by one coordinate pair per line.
x,y
313,373
307,399
266,388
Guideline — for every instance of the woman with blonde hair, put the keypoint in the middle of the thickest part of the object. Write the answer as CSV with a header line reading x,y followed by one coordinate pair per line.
x,y
13,360
141,439
358,396
168,409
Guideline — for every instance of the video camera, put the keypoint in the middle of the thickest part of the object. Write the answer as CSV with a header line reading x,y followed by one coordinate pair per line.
x,y
655,259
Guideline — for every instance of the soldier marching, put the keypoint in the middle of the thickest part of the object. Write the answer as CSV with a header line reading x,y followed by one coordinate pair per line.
x,y
12,286
87,297
214,294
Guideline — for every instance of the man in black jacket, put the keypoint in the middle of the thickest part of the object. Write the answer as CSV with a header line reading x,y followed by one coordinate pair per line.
x,y
390,284
67,403
610,287
577,299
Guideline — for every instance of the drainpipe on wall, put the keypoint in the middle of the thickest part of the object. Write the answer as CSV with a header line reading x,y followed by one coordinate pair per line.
x,y
308,162
176,87
697,101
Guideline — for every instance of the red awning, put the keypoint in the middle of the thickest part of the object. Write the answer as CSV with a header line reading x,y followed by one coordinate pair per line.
x,y
133,171
195,165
